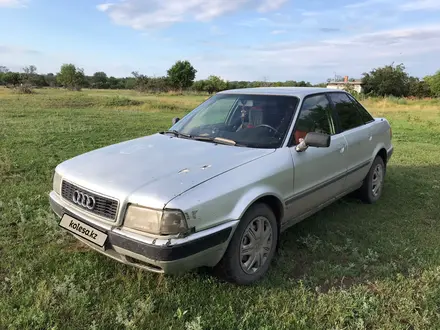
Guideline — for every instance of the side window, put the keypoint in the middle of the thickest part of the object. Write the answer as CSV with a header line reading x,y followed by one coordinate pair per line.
x,y
349,116
366,116
315,116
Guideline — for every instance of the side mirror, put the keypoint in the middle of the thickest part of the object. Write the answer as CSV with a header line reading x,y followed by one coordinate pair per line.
x,y
317,140
175,120
313,139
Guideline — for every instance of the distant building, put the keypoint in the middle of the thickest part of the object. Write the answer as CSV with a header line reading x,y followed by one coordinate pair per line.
x,y
356,85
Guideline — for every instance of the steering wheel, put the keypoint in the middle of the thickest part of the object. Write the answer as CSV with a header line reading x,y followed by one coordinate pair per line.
x,y
268,126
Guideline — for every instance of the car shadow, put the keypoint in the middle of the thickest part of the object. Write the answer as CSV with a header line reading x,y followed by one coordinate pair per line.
x,y
350,242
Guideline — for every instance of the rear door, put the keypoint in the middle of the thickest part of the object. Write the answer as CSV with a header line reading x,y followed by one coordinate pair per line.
x,y
357,132
318,172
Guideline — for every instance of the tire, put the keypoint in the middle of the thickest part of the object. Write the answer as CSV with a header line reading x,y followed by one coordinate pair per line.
x,y
373,184
257,227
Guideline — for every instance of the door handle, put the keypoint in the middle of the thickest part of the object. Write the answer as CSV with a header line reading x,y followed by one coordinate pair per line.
x,y
342,147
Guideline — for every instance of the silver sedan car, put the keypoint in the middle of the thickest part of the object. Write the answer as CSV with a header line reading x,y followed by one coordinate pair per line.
x,y
220,186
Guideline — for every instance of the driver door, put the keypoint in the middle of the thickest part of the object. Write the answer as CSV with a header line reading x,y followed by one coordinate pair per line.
x,y
318,172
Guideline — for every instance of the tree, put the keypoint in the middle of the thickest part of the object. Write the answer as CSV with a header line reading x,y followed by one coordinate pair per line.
x,y
12,78
29,76
418,88
51,79
434,83
388,80
350,89
114,83
214,84
99,80
130,83
199,85
158,84
71,77
3,69
141,82
182,74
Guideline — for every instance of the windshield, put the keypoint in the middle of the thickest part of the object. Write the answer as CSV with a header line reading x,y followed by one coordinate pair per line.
x,y
259,121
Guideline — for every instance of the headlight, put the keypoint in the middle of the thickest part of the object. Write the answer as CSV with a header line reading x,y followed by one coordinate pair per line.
x,y
56,183
167,222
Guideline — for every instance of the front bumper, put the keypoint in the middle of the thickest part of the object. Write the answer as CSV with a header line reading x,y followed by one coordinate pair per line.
x,y
170,256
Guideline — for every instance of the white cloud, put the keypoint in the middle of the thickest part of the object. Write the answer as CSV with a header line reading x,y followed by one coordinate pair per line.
x,y
311,13
104,6
150,14
17,50
14,3
279,31
269,5
313,60
367,3
317,60
421,5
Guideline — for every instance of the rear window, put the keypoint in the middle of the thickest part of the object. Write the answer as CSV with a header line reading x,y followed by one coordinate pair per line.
x,y
348,114
366,116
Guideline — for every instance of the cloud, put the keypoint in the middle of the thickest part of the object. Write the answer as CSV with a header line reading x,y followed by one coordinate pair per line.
x,y
425,37
150,14
325,29
421,5
269,5
14,50
311,13
315,60
279,31
367,3
14,3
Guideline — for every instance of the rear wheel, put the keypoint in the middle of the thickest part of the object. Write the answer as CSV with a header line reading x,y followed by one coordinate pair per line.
x,y
252,247
372,188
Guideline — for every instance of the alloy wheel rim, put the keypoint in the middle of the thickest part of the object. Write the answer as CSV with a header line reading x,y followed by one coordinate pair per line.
x,y
256,245
377,180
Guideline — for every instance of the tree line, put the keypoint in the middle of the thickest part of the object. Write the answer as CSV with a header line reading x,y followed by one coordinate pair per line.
x,y
389,80
181,76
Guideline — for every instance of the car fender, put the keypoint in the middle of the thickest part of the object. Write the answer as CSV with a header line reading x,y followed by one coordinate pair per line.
x,y
381,137
253,195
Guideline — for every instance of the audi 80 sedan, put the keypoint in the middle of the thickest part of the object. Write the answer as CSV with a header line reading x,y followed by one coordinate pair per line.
x,y
222,183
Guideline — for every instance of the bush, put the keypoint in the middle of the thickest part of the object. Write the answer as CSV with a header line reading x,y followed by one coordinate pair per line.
x,y
118,101
24,89
397,100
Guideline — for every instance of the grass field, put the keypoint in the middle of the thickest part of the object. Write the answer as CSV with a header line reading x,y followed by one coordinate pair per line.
x,y
352,266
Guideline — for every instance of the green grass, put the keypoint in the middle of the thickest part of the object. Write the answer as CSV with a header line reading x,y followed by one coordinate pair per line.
x,y
352,266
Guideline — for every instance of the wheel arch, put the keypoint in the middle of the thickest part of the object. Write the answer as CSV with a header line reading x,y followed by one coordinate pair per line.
x,y
275,205
274,202
383,154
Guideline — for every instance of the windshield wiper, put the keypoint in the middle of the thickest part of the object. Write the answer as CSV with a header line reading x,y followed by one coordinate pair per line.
x,y
176,133
216,140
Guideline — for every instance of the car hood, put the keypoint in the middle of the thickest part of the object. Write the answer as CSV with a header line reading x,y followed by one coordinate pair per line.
x,y
153,170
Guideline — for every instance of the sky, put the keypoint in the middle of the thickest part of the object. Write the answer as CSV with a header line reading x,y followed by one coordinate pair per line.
x,y
273,40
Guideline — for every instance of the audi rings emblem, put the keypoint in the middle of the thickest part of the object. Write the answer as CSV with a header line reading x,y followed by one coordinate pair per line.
x,y
83,200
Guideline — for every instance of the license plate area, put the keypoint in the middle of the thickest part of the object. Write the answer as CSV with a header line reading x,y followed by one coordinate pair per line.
x,y
83,230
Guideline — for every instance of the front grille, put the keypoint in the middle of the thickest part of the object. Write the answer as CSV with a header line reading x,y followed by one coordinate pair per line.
x,y
104,207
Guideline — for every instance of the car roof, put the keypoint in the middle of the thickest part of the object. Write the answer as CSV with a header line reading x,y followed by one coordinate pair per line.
x,y
284,91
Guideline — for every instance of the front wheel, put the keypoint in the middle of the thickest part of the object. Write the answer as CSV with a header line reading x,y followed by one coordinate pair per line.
x,y
252,247
372,188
